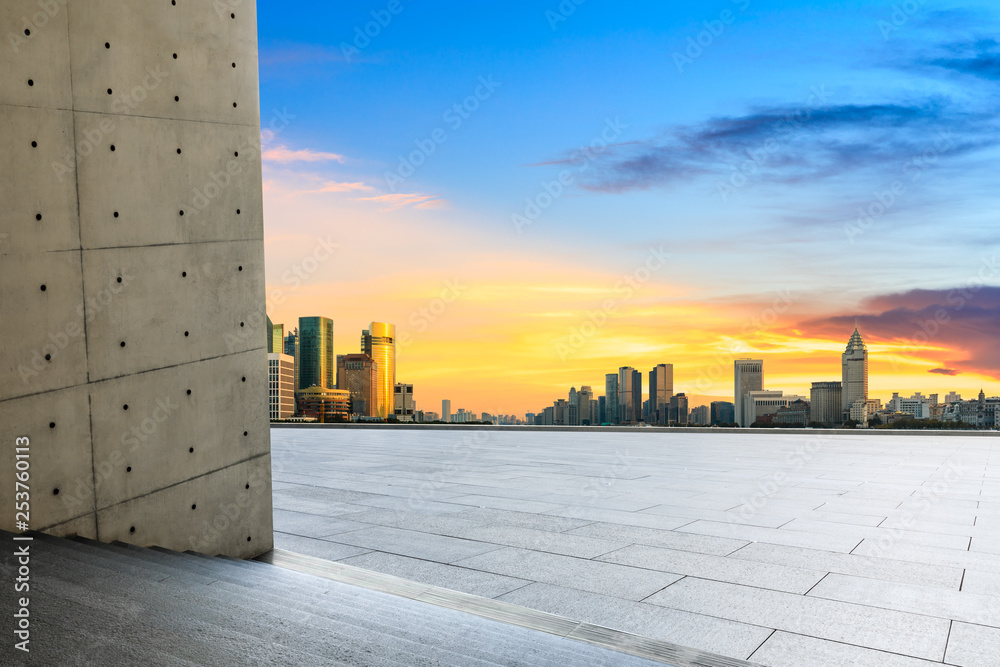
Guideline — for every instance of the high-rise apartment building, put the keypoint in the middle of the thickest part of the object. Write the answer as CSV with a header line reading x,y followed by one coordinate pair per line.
x,y
749,376
446,411
585,401
661,389
611,398
574,419
317,365
281,385
855,372
629,395
358,374
722,412
825,403
378,341
602,410
403,406
292,350
678,409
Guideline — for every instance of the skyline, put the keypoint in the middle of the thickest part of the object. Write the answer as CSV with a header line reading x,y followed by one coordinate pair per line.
x,y
857,207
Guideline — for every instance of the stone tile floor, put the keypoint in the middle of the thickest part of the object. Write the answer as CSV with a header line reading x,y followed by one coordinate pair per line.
x,y
783,549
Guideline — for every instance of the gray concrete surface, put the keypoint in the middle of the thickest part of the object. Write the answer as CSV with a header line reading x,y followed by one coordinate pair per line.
x,y
114,118
98,604
784,549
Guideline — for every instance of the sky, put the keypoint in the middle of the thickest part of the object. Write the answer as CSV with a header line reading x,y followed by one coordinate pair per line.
x,y
538,193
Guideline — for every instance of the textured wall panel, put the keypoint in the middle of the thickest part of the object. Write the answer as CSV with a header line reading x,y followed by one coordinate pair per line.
x,y
211,514
214,181
143,76
129,135
61,479
216,305
41,58
38,188
42,324
148,446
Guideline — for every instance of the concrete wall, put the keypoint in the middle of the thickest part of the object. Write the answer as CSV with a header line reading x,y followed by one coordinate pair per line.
x,y
130,188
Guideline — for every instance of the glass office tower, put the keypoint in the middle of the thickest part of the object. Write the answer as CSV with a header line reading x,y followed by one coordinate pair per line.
x,y
379,342
317,365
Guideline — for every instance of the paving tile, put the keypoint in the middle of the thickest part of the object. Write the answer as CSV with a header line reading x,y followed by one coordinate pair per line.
x,y
952,605
897,632
492,516
783,649
717,568
858,533
729,638
973,646
473,582
312,525
315,547
765,518
505,503
982,583
610,579
412,543
539,540
719,546
917,553
854,564
625,518
790,538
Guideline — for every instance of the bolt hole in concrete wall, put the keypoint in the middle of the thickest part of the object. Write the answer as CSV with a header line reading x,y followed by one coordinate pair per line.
x,y
88,260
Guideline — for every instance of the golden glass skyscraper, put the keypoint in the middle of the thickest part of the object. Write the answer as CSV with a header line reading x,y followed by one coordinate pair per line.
x,y
379,342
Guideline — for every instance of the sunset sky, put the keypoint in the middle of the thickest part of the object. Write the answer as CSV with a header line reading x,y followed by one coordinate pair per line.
x,y
536,196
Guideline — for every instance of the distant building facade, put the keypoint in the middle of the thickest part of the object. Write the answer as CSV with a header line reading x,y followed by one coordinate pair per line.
x,y
722,412
855,372
378,341
324,405
281,385
317,364
357,373
403,405
917,406
759,403
826,404
611,398
446,410
748,375
678,409
661,389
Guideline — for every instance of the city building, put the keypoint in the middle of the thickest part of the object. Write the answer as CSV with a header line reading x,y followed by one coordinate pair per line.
x,y
825,403
982,412
611,398
357,373
403,406
701,415
316,363
292,350
952,397
602,410
917,406
549,416
629,395
759,403
323,404
378,341
587,405
795,413
749,376
281,385
574,419
661,389
722,412
446,411
529,418
678,410
559,412
855,372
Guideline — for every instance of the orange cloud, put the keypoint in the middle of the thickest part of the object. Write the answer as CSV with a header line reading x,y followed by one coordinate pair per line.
x,y
285,155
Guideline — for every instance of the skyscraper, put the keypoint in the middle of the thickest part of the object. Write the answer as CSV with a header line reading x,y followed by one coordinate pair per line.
x,y
276,343
358,374
317,365
749,376
629,395
722,412
292,350
602,410
661,389
574,418
446,411
585,400
611,398
825,403
855,372
281,387
678,409
378,341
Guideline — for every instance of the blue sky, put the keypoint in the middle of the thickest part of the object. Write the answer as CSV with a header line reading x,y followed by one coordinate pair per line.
x,y
748,157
